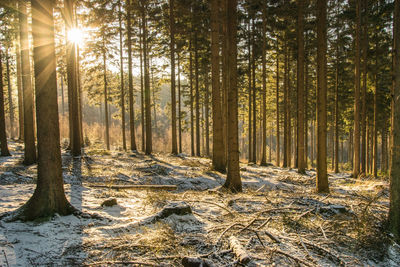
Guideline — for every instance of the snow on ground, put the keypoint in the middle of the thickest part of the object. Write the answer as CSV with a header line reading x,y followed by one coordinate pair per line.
x,y
342,227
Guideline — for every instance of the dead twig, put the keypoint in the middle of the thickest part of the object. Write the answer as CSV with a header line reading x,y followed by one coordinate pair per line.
x,y
5,256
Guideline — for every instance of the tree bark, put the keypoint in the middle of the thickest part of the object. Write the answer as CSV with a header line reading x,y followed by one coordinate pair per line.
x,y
278,149
105,92
122,100
300,88
206,112
233,182
253,66
264,91
173,92
375,142
356,142
130,78
3,135
218,153
10,98
394,210
285,109
364,144
76,142
191,100
322,177
19,87
29,131
179,107
49,197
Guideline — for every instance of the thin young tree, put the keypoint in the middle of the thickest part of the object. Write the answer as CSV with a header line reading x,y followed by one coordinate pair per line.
x,y
173,89
3,136
218,153
394,210
29,135
49,197
356,135
233,182
121,52
10,98
300,87
264,90
322,176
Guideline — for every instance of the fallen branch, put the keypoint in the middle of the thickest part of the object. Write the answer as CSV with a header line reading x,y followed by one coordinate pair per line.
x,y
136,186
101,263
239,250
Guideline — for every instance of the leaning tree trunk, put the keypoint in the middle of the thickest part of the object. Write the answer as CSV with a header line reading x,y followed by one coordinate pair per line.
x,y
29,131
218,153
356,142
322,177
300,88
394,210
49,197
3,136
233,182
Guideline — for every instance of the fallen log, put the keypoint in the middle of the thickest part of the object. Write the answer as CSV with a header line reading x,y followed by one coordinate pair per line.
x,y
196,262
136,186
239,250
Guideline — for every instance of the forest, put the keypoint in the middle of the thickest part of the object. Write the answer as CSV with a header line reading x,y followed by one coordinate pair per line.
x,y
199,133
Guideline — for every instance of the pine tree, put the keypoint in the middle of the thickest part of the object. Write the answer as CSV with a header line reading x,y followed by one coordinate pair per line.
x,y
3,136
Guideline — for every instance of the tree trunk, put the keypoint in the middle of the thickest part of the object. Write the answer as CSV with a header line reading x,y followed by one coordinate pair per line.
x,y
10,98
130,75
173,93
253,66
197,96
49,197
179,107
285,109
191,100
142,89
356,143
19,87
29,131
233,182
364,145
149,143
375,127
218,153
207,111
264,92
122,77
306,104
3,135
322,177
105,92
250,101
394,210
278,149
300,88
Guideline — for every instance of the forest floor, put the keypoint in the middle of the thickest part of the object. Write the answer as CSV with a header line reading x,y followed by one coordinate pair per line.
x,y
278,219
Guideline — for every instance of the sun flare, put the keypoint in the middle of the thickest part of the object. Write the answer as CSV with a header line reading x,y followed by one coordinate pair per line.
x,y
76,36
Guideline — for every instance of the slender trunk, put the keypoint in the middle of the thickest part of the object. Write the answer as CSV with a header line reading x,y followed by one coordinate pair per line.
x,y
191,100
384,159
130,75
253,66
105,92
29,131
62,94
179,107
149,144
264,92
285,109
322,177
218,156
375,127
289,113
207,111
142,89
19,87
364,152
197,96
300,88
10,98
278,149
3,135
356,164
173,93
122,78
306,103
250,101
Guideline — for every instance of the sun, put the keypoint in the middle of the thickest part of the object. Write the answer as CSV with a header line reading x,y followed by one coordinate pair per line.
x,y
76,36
